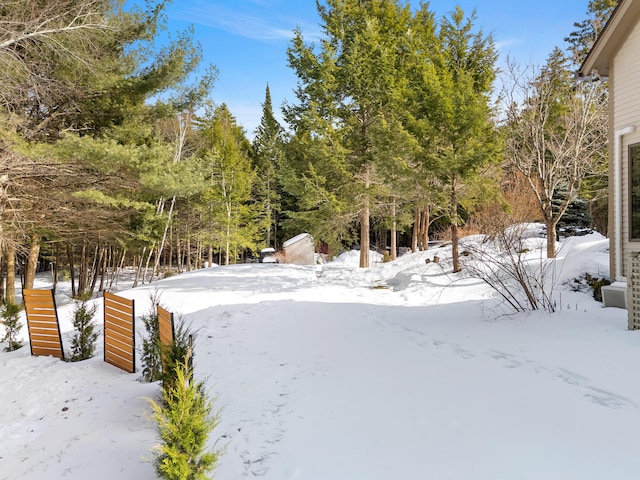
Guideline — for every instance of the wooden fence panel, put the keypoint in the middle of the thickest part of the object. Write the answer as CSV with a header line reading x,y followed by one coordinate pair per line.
x,y
42,323
167,332
119,332
166,327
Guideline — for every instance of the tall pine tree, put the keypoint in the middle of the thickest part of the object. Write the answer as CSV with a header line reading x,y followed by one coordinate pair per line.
x,y
586,31
458,133
267,154
229,178
346,86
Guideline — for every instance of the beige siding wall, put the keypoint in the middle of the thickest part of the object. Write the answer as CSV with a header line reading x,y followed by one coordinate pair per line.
x,y
625,105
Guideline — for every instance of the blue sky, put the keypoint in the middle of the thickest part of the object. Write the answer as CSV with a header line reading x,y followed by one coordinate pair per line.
x,y
247,40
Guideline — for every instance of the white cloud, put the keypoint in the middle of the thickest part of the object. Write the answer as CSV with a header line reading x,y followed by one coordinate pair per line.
x,y
509,43
256,23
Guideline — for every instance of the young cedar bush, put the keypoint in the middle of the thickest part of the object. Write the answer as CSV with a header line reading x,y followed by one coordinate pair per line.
x,y
184,423
176,354
11,322
151,355
83,343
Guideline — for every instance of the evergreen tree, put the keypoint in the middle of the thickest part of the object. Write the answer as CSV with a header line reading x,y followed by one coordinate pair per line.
x,y
176,355
229,178
151,355
83,65
422,99
84,339
184,424
459,134
267,153
582,39
346,86
11,323
80,69
395,150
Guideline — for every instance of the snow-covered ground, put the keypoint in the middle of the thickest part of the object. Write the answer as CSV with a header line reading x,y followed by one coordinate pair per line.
x,y
398,372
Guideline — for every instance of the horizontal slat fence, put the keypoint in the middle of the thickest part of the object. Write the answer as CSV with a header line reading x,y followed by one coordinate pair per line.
x,y
119,332
42,323
167,332
165,326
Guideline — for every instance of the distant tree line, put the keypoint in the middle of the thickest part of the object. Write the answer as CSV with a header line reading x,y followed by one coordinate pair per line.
x,y
112,155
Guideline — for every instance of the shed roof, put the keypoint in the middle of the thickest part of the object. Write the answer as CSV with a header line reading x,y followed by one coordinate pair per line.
x,y
296,239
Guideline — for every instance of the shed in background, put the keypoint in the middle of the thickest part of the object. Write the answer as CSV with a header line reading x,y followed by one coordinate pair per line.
x,y
299,250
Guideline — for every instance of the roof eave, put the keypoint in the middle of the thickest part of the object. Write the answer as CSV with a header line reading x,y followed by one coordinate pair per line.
x,y
622,21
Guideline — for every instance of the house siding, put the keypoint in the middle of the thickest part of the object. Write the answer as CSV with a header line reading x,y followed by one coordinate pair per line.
x,y
625,103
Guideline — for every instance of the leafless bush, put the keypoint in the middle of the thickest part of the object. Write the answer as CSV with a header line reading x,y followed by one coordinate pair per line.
x,y
504,262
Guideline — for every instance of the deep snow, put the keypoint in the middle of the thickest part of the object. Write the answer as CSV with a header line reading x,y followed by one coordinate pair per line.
x,y
400,371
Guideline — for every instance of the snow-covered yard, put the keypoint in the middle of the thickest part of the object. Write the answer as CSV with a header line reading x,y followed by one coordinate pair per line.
x,y
402,371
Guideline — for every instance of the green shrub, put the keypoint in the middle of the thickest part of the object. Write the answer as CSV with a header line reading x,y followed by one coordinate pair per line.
x,y
83,343
11,321
176,354
151,355
184,423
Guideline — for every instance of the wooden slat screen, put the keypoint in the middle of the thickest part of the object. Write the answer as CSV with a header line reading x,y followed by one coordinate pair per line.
x,y
119,332
165,326
42,323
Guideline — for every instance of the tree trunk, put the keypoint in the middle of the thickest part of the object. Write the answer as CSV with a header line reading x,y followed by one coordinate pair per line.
x,y
164,238
146,266
454,226
275,229
171,240
32,261
364,236
83,268
56,264
228,235
108,252
268,211
364,222
10,295
424,228
551,237
394,230
97,268
135,280
414,234
71,270
179,255
2,270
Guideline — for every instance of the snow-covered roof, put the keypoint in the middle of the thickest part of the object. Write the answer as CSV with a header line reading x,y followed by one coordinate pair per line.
x,y
296,239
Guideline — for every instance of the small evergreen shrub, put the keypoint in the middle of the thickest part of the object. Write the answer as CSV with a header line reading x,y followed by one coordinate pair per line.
x,y
151,355
11,322
184,423
83,343
176,354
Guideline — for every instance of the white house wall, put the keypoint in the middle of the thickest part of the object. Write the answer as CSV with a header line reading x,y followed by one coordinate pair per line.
x,y
625,102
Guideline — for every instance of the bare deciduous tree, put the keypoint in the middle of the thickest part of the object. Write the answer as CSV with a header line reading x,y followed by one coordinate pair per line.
x,y
46,49
556,134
